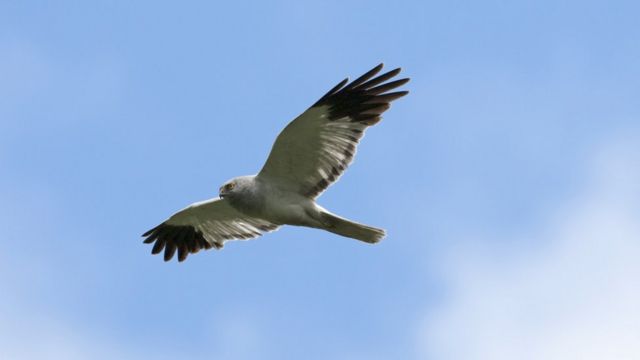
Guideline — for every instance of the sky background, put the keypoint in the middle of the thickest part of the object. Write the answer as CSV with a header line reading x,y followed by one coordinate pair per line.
x,y
508,180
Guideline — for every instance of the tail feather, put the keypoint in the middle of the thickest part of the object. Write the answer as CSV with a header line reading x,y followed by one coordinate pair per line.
x,y
350,229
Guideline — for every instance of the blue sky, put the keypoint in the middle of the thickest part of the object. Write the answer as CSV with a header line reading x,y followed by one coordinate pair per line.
x,y
507,180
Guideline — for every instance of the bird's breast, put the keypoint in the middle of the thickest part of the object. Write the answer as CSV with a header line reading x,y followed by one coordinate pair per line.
x,y
289,208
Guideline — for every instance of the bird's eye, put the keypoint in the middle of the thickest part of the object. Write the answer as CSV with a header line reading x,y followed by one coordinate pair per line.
x,y
230,186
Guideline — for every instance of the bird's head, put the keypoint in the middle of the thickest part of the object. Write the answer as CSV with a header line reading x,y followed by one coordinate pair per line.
x,y
234,186
227,188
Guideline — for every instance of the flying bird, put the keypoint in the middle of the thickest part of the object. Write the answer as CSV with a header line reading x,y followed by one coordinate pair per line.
x,y
310,154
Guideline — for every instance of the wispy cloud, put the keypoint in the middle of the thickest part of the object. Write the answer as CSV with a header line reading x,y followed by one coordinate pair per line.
x,y
572,295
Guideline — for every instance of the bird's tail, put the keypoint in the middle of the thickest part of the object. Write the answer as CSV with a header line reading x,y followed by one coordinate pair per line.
x,y
350,229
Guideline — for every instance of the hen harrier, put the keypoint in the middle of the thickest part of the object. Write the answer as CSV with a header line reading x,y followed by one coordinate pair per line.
x,y
309,155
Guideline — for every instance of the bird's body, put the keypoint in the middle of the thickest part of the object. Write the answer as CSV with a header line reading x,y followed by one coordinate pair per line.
x,y
310,154
276,204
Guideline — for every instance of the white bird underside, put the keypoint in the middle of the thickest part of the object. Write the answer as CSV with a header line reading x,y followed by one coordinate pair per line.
x,y
308,156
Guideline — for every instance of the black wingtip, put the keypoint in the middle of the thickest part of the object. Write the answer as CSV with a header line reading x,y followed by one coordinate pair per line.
x,y
365,77
183,252
158,247
169,251
332,91
395,71
149,232
389,97
354,99
379,79
395,94
387,86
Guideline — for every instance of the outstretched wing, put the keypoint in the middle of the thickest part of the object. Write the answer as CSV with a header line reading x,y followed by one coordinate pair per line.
x,y
203,225
315,149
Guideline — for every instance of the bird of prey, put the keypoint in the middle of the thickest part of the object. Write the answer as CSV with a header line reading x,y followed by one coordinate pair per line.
x,y
310,154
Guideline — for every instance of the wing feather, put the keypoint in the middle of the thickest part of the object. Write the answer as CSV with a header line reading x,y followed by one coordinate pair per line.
x,y
315,149
204,225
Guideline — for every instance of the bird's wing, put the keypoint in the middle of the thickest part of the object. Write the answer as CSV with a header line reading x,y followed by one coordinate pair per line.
x,y
315,148
203,225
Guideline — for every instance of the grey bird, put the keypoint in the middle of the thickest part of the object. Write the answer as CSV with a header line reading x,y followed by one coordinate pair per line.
x,y
310,154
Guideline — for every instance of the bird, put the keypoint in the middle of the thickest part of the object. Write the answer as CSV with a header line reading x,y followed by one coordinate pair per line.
x,y
309,155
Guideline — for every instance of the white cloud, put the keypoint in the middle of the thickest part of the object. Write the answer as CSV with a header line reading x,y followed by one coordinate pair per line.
x,y
574,294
